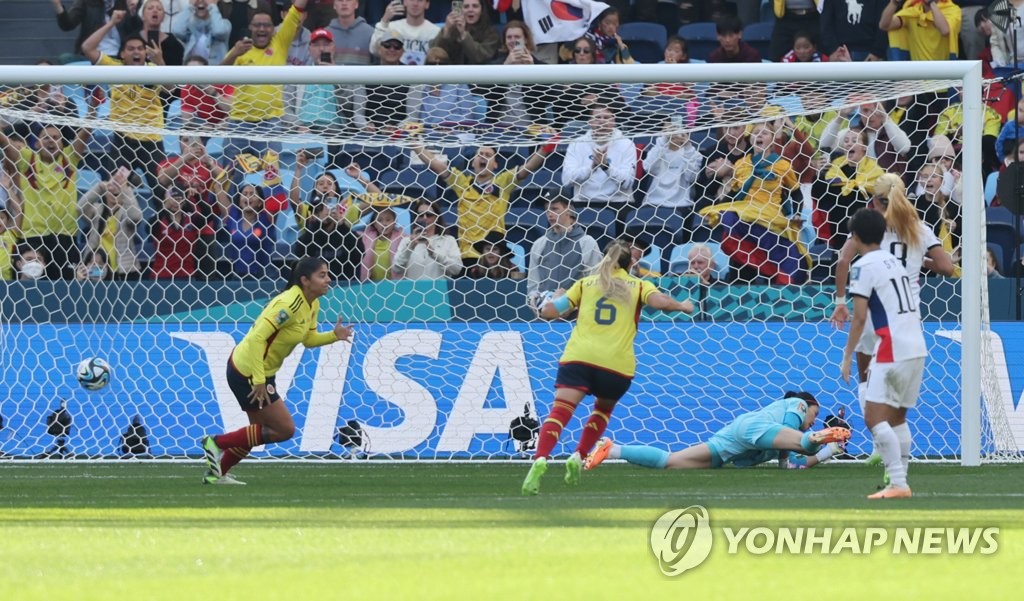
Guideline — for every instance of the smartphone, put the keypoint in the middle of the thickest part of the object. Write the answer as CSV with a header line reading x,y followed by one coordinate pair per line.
x,y
399,7
516,45
121,5
153,38
457,7
247,34
326,57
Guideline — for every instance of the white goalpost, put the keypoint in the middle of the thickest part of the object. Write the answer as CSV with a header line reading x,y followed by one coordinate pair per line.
x,y
442,367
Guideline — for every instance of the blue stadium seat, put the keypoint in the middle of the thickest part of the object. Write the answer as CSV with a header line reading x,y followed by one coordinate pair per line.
x,y
991,186
652,260
415,182
999,214
1003,235
700,39
679,259
759,35
646,41
87,178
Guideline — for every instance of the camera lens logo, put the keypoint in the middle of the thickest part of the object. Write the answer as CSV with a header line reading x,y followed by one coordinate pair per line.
x,y
681,539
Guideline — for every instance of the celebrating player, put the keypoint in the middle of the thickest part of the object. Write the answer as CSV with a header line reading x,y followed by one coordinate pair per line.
x,y
752,438
880,284
599,357
911,241
290,318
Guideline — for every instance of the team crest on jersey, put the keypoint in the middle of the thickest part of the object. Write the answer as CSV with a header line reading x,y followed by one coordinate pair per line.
x,y
282,317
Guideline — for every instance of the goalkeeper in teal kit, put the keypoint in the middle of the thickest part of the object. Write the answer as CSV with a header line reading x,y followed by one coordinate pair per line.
x,y
752,438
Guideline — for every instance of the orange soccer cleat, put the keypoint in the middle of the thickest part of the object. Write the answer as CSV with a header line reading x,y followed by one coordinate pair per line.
x,y
599,454
892,492
828,435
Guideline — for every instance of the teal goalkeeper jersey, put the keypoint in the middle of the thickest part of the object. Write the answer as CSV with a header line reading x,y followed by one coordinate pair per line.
x,y
789,412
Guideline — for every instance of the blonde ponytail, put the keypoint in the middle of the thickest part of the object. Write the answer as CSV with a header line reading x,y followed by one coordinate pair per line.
x,y
900,216
616,256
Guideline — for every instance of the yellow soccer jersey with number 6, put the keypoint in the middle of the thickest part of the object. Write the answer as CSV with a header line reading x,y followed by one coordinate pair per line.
x,y
605,329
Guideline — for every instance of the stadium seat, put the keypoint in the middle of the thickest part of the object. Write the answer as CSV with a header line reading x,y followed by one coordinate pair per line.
x,y
518,255
991,187
999,214
87,178
646,41
679,259
1003,235
759,35
700,39
416,182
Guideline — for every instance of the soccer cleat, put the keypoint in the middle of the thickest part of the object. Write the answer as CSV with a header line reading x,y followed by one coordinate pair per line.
x,y
874,459
599,454
892,492
531,485
828,435
572,469
213,454
226,479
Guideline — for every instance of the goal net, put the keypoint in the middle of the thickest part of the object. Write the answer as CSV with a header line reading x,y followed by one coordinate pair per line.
x,y
148,221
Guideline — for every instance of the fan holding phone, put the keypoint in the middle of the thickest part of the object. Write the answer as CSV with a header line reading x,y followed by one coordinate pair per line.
x,y
159,45
467,36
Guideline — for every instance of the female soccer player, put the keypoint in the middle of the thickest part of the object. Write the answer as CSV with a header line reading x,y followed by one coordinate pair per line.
x,y
752,438
290,318
599,357
912,242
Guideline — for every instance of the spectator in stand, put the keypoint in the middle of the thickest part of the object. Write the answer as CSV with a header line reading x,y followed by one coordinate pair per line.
x,y
446,103
351,34
384,108
204,106
429,252
8,243
942,152
601,166
483,192
90,15
675,53
251,234
319,112
326,233
949,123
720,158
258,109
943,216
804,50
494,260
887,143
48,211
731,47
700,263
174,11
998,52
610,47
673,164
516,105
791,17
468,36
47,100
327,191
564,254
193,166
379,242
415,32
112,212
853,25
31,263
992,265
148,23
922,30
132,104
94,267
847,185
1013,129
175,235
203,32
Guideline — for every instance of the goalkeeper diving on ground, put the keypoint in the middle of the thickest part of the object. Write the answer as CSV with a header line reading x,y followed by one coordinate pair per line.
x,y
771,432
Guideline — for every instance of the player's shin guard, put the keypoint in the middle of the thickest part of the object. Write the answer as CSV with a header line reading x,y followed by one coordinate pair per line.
x,y
594,429
903,435
551,429
888,446
231,458
249,436
644,455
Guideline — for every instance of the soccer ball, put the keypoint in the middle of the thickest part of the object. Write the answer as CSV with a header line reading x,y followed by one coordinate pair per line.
x,y
93,373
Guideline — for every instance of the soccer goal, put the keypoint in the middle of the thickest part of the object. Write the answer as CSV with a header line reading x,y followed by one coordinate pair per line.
x,y
186,194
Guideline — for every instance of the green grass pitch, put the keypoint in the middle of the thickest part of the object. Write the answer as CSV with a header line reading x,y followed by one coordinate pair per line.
x,y
461,531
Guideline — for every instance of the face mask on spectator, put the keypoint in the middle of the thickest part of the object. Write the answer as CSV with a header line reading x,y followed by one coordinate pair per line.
x,y
95,272
32,269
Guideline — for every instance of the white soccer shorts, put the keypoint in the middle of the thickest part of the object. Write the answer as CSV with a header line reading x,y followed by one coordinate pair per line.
x,y
895,384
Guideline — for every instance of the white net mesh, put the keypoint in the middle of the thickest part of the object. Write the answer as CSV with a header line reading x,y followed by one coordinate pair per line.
x,y
164,218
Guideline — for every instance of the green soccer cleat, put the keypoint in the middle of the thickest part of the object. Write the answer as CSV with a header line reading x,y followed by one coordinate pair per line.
x,y
874,459
531,485
573,467
213,455
226,479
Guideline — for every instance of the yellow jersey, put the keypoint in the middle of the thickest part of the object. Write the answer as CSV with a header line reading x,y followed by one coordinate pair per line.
x,y
481,210
135,104
7,244
49,195
283,324
605,329
252,103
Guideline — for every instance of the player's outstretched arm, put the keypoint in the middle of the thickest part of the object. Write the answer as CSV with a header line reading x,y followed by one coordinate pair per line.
x,y
860,315
939,261
841,313
664,302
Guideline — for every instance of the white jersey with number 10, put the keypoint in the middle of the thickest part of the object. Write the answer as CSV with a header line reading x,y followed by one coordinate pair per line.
x,y
893,306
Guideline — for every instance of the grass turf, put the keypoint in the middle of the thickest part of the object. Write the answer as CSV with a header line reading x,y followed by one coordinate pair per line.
x,y
461,531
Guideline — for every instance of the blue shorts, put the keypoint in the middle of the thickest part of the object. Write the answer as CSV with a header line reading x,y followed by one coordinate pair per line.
x,y
241,386
592,380
743,440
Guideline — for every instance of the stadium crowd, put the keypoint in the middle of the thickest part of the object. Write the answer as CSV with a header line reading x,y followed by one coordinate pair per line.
x,y
764,203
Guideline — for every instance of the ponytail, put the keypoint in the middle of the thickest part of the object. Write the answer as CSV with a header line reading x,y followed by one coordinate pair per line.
x,y
900,216
616,256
